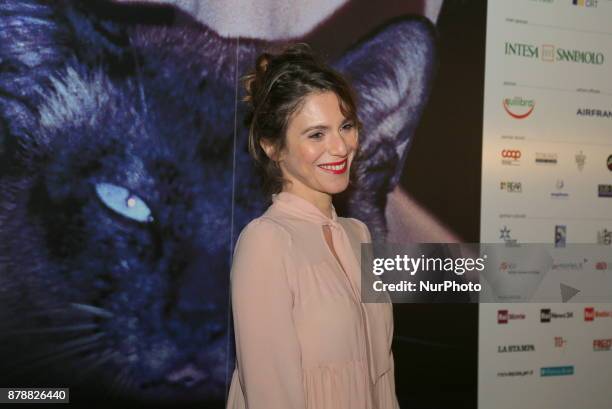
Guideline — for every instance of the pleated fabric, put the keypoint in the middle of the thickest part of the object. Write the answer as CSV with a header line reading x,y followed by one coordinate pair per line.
x,y
304,339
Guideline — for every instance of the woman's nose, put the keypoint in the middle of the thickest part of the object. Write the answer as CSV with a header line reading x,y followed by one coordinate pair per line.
x,y
338,145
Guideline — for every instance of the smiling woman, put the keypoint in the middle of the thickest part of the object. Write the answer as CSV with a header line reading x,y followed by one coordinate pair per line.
x,y
304,339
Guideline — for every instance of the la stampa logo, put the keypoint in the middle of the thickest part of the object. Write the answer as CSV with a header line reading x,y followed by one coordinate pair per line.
x,y
518,107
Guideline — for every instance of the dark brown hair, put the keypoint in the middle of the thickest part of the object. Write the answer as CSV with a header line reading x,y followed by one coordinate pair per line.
x,y
276,89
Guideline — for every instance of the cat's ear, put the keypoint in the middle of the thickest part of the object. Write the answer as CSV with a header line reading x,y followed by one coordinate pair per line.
x,y
392,73
40,39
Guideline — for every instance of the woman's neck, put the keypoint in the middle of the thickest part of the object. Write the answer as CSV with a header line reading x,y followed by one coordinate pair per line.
x,y
321,200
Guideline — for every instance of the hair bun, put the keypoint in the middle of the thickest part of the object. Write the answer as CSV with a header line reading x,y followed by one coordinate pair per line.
x,y
253,81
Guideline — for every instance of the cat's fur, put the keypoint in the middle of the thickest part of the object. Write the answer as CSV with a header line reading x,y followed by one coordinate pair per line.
x,y
145,98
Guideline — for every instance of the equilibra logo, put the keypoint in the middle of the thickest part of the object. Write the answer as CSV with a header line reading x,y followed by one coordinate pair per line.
x,y
602,344
511,186
518,108
557,370
585,3
552,53
594,112
511,157
590,313
515,348
546,315
503,316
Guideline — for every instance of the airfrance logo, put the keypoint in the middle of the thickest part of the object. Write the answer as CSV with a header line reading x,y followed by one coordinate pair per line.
x,y
552,53
593,112
518,108
557,370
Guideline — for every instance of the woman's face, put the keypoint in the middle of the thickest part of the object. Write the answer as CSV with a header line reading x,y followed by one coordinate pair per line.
x,y
320,147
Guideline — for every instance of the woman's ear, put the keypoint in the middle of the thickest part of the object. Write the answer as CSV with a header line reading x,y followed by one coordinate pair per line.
x,y
269,149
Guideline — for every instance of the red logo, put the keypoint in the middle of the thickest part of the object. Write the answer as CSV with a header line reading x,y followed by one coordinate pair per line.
x,y
589,313
511,104
601,265
502,316
602,344
511,154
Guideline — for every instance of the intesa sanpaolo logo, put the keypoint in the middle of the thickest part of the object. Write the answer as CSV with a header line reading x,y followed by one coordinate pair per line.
x,y
518,107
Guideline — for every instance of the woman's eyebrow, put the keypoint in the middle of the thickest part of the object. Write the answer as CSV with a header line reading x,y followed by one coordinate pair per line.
x,y
320,127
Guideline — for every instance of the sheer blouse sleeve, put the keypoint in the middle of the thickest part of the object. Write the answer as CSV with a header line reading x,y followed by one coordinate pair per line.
x,y
267,348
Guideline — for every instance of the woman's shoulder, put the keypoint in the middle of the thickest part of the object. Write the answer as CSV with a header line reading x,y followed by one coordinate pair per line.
x,y
265,228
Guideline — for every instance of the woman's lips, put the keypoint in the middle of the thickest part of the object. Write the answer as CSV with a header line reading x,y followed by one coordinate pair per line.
x,y
335,167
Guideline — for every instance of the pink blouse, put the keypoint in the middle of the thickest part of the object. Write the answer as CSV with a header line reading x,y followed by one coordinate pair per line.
x,y
304,339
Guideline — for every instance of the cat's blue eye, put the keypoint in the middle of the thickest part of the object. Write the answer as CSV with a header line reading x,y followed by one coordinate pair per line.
x,y
120,200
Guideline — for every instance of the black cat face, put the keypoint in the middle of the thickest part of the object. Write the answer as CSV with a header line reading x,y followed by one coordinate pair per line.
x,y
125,181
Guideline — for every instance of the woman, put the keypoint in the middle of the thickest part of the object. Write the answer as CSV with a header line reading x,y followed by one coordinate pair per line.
x,y
303,337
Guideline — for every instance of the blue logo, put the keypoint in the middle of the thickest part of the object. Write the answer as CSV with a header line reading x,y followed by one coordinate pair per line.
x,y
557,370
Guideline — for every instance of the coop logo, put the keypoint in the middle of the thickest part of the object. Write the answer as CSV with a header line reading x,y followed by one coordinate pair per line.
x,y
552,53
585,3
518,107
602,344
590,313
557,370
511,187
546,158
604,190
511,157
515,348
592,112
604,237
503,316
546,315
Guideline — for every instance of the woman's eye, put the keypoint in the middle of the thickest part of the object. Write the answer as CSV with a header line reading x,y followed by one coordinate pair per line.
x,y
122,201
317,135
347,126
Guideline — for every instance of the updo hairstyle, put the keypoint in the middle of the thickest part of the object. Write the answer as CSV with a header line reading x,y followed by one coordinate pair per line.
x,y
275,90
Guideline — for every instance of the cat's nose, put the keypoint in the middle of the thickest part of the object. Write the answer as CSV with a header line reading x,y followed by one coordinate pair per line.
x,y
186,376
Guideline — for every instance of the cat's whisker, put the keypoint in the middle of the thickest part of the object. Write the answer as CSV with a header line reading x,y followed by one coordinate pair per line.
x,y
48,330
119,384
97,311
65,346
53,357
99,359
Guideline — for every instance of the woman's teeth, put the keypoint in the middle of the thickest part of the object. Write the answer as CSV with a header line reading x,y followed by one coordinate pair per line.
x,y
339,168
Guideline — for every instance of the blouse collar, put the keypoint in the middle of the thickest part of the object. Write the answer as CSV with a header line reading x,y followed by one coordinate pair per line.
x,y
302,208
